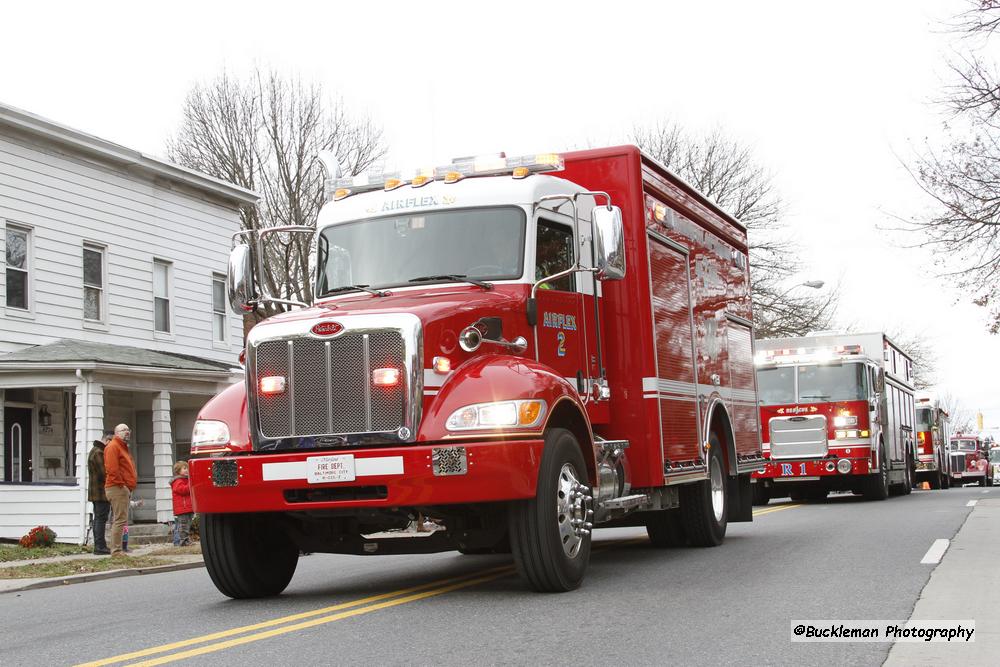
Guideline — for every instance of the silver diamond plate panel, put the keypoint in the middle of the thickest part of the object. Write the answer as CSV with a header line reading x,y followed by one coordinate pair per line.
x,y
449,461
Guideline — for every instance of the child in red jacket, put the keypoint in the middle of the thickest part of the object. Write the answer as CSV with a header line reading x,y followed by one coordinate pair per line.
x,y
183,509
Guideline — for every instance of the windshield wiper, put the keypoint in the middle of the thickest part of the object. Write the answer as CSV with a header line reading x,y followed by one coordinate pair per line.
x,y
354,288
453,276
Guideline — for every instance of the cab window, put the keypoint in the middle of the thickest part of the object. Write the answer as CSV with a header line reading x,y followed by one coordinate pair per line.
x,y
554,253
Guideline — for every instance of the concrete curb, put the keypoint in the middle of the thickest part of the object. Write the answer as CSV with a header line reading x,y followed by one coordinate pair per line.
x,y
97,576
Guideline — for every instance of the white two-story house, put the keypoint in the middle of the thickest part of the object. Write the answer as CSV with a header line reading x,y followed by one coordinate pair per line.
x,y
112,310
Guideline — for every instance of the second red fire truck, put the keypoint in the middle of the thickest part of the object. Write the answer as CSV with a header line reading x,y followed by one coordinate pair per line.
x,y
506,352
836,413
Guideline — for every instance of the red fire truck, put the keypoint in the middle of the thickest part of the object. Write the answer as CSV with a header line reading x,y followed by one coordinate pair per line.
x,y
479,363
968,460
836,413
933,435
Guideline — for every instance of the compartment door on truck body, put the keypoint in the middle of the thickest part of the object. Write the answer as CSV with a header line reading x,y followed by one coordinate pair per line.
x,y
675,387
743,406
561,332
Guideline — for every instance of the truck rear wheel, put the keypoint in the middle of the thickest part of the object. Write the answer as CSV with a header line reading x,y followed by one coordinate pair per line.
x,y
664,529
908,477
877,485
550,533
247,555
704,505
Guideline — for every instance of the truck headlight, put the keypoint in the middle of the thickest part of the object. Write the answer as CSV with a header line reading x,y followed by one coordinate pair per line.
x,y
209,436
498,414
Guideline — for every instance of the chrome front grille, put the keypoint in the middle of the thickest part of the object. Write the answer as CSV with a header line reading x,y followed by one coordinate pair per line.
x,y
958,462
329,388
798,437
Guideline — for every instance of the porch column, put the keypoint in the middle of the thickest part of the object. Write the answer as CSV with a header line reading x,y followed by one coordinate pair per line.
x,y
3,431
163,456
89,427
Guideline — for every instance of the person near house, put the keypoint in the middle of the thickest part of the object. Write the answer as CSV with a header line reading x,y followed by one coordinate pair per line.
x,y
119,483
96,494
183,508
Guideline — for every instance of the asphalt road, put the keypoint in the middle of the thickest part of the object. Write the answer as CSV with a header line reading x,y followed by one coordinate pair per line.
x,y
841,558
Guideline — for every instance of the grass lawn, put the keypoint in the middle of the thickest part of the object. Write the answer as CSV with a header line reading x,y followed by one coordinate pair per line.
x,y
80,566
9,552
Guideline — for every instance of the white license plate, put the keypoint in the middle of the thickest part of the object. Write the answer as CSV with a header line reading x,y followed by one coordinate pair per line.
x,y
323,469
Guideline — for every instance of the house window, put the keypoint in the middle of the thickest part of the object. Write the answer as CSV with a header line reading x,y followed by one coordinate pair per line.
x,y
93,283
218,308
18,265
161,296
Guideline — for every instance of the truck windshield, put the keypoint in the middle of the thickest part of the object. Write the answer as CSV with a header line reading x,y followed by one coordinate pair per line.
x,y
924,419
776,386
838,382
995,456
964,445
482,243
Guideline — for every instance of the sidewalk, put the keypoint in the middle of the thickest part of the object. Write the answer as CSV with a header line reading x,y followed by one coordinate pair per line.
x,y
181,562
964,585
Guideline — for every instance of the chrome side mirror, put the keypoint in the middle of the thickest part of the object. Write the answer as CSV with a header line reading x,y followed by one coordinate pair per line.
x,y
240,280
609,242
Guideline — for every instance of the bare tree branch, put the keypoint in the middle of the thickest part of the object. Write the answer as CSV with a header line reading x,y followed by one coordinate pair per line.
x,y
265,133
962,178
728,172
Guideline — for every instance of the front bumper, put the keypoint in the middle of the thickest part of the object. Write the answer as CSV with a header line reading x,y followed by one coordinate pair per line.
x,y
391,477
803,469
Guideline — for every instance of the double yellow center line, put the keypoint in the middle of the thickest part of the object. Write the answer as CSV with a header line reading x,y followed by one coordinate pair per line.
x,y
224,639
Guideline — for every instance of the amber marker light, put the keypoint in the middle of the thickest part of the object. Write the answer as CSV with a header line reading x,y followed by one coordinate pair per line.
x,y
385,377
529,411
442,365
420,180
452,177
521,172
272,384
392,183
340,193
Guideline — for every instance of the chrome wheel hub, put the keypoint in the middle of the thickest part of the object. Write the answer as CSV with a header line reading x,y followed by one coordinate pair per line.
x,y
718,492
573,510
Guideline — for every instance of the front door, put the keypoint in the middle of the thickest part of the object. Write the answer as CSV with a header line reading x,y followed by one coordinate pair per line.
x,y
560,333
17,444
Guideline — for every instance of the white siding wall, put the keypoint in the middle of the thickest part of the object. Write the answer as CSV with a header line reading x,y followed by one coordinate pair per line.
x,y
25,506
67,200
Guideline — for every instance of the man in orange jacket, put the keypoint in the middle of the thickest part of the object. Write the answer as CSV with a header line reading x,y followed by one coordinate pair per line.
x,y
119,483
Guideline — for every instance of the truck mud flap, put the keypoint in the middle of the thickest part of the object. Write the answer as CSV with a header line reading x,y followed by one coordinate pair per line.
x,y
740,499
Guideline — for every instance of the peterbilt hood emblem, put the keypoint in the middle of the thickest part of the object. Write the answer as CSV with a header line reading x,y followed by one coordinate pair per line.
x,y
327,328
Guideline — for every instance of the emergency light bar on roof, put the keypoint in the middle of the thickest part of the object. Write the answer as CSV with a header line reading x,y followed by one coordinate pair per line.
x,y
377,179
807,354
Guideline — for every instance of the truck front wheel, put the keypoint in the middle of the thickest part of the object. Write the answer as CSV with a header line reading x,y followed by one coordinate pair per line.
x,y
704,505
247,555
550,533
877,485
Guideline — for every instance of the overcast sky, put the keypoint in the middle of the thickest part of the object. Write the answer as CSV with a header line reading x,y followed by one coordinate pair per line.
x,y
833,97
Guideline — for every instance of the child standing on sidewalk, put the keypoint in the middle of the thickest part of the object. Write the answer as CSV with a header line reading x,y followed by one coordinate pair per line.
x,y
183,509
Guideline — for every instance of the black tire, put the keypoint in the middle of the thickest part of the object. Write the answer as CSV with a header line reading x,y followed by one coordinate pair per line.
x,y
945,479
539,529
665,529
796,496
982,481
909,477
703,524
761,494
877,485
247,555
935,481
